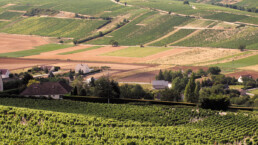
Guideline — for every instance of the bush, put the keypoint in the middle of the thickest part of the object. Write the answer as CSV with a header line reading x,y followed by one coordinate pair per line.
x,y
214,70
215,102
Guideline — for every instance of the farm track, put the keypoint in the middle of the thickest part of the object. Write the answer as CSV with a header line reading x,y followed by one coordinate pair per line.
x,y
188,36
165,36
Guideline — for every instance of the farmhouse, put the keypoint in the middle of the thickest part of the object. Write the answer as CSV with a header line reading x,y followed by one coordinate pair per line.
x,y
1,84
160,84
4,73
54,90
240,79
49,68
83,68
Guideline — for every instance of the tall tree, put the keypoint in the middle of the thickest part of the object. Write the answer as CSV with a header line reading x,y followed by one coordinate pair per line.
x,y
160,76
197,91
189,90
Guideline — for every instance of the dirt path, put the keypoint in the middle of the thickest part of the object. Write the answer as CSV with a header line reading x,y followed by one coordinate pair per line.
x,y
190,35
7,5
4,20
165,36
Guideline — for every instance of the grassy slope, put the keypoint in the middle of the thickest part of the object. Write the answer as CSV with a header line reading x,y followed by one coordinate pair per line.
x,y
96,123
137,51
36,51
178,35
54,27
81,50
252,60
224,38
150,27
9,15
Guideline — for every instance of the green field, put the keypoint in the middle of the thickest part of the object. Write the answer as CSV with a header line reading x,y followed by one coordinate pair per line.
x,y
54,27
224,38
146,28
249,61
172,38
226,17
255,91
52,122
81,50
9,15
137,51
236,87
36,51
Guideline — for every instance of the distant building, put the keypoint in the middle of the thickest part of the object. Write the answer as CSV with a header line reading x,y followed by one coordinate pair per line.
x,y
4,73
160,84
49,68
1,84
83,68
240,79
54,90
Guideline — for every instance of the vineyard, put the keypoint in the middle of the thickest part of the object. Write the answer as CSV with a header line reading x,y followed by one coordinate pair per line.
x,y
9,15
68,122
55,27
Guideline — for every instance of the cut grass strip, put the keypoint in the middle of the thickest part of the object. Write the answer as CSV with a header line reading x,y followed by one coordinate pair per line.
x,y
137,51
36,51
80,50
252,60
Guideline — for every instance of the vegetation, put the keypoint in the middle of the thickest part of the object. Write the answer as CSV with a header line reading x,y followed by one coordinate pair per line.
x,y
9,15
54,27
119,124
81,50
36,51
39,11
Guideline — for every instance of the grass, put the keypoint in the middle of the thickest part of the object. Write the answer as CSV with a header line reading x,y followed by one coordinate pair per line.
x,y
146,28
226,17
251,60
80,50
172,38
36,51
54,27
236,87
9,15
254,91
224,38
137,51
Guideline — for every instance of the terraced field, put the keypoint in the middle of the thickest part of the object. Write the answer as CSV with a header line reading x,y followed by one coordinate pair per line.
x,y
145,28
36,51
172,38
54,27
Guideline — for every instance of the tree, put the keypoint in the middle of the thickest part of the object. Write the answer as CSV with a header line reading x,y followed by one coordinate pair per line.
x,y
82,92
75,42
125,3
75,91
197,91
201,72
170,95
46,70
117,1
32,82
189,90
26,78
113,43
241,47
214,70
160,76
92,82
101,34
186,2
215,102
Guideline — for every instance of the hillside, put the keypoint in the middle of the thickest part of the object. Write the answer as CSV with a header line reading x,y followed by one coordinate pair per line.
x,y
155,23
52,123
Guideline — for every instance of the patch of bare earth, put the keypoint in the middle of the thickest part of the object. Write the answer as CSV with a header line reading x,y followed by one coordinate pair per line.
x,y
8,5
13,42
254,74
253,68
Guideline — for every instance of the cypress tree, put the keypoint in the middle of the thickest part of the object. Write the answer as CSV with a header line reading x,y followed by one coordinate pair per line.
x,y
189,90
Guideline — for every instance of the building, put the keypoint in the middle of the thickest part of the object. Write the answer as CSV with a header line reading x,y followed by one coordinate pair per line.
x,y
49,68
240,79
159,84
1,84
83,68
54,90
4,73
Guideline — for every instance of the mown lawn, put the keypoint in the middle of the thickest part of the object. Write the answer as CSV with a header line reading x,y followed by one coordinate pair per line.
x,y
137,51
36,51
80,50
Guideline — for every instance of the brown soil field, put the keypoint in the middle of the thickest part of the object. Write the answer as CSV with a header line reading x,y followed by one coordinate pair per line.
x,y
253,68
12,42
254,74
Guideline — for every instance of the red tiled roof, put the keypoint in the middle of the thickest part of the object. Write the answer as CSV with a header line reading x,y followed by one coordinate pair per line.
x,y
47,88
